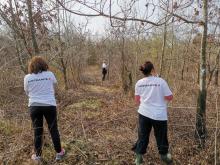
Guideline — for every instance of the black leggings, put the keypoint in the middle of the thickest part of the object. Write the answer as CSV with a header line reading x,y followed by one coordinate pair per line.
x,y
104,72
49,112
160,133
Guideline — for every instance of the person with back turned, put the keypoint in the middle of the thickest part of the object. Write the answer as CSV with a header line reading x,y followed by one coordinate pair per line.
x,y
152,95
39,86
104,70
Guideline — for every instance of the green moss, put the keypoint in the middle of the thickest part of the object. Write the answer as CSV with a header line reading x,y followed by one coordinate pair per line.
x,y
91,114
88,104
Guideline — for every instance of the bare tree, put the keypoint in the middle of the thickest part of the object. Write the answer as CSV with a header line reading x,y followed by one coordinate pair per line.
x,y
32,27
28,25
201,110
61,52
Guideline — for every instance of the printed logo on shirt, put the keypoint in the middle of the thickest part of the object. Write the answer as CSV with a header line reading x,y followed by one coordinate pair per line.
x,y
41,79
149,85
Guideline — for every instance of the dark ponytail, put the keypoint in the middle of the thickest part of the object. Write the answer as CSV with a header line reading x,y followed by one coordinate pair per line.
x,y
146,68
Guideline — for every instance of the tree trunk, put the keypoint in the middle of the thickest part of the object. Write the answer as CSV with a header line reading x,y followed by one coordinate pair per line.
x,y
183,68
210,76
163,48
64,71
61,53
198,73
217,68
171,56
109,63
22,64
123,69
216,76
201,105
32,27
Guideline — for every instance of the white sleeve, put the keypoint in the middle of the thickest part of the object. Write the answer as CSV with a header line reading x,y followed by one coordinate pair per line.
x,y
53,78
137,90
166,89
25,85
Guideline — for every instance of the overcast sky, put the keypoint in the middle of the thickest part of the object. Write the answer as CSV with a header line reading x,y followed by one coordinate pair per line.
x,y
99,24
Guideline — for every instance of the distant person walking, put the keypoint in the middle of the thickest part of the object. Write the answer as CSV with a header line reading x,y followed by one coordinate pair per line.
x,y
152,94
104,70
39,86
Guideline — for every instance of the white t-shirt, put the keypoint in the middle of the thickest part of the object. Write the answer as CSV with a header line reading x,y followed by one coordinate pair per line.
x,y
104,66
40,88
152,103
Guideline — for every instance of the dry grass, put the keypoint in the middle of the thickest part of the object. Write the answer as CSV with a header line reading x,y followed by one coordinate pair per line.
x,y
98,125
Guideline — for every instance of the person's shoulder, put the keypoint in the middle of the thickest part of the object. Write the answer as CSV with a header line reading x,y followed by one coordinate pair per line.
x,y
27,76
49,72
161,80
51,75
141,81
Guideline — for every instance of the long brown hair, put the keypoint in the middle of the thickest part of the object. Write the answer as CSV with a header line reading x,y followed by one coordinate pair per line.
x,y
37,65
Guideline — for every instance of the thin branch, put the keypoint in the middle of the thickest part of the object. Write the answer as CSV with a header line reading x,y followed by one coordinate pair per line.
x,y
102,14
186,20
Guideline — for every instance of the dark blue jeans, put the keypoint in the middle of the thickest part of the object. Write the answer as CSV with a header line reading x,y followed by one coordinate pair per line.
x,y
160,133
37,114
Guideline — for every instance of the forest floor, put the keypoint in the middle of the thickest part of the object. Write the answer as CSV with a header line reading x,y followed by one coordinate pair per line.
x,y
98,126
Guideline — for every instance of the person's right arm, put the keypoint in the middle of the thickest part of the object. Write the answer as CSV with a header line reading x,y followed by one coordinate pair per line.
x,y
137,95
137,99
168,96
54,80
